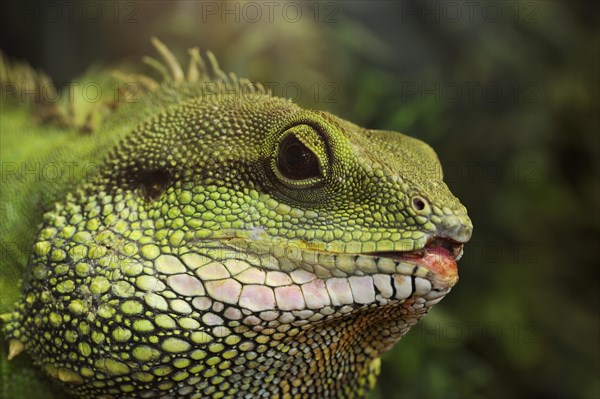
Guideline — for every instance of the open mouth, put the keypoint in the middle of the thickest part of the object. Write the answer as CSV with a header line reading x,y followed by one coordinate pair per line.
x,y
439,256
439,245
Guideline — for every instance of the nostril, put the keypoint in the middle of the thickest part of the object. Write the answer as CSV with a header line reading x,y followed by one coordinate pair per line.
x,y
418,203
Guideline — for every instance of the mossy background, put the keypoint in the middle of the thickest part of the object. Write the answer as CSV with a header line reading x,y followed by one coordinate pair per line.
x,y
508,95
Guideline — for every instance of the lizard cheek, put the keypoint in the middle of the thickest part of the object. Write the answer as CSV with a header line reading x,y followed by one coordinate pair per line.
x,y
185,285
257,298
290,298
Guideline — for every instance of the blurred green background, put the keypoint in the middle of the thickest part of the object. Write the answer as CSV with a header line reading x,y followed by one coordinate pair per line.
x,y
506,92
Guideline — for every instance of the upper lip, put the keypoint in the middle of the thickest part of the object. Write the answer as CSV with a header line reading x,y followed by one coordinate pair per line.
x,y
454,247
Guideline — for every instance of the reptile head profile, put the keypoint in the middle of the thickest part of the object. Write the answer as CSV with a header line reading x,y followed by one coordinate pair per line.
x,y
239,246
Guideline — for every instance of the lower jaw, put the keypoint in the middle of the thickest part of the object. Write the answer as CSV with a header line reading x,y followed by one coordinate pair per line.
x,y
344,352
375,325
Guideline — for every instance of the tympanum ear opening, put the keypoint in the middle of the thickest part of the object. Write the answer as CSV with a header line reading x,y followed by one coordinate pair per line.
x,y
153,184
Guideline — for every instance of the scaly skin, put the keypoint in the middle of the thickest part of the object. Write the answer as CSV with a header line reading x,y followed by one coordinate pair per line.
x,y
228,245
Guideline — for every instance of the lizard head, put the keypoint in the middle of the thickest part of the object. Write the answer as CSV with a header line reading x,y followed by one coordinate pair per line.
x,y
234,245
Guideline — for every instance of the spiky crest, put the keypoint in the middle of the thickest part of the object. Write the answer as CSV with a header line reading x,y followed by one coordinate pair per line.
x,y
20,83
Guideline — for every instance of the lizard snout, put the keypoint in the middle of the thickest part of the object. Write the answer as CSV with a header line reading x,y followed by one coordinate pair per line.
x,y
455,227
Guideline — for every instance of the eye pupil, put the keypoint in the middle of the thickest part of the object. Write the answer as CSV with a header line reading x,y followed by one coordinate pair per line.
x,y
295,156
296,161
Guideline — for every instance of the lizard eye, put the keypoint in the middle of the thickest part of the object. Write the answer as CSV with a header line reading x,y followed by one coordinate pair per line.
x,y
296,161
299,160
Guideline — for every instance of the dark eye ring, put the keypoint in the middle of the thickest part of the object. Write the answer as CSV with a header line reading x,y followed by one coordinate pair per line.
x,y
296,161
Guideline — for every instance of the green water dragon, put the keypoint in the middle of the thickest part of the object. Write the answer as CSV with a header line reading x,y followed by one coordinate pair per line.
x,y
194,236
